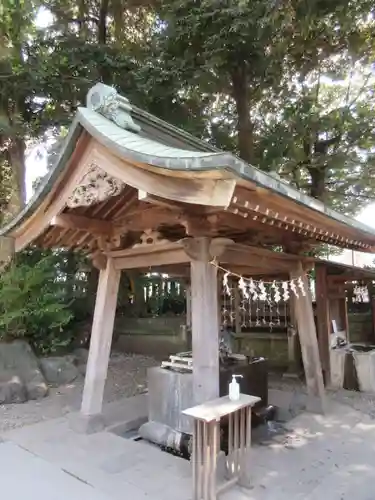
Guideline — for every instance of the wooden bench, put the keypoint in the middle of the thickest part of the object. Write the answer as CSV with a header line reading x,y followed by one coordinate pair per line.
x,y
206,443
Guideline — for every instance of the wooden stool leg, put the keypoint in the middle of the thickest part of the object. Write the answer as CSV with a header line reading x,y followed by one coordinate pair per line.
x,y
230,457
206,459
214,452
194,460
199,461
244,479
236,442
242,419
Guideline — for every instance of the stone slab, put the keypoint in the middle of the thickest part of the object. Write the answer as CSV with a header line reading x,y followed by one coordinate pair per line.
x,y
24,475
169,394
330,457
337,358
365,367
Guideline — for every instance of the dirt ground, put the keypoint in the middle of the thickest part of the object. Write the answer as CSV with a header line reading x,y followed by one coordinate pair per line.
x,y
127,376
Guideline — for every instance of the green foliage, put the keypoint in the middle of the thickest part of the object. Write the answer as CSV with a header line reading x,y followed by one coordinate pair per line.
x,y
288,86
33,303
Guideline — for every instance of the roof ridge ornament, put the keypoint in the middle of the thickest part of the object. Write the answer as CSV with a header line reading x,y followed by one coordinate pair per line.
x,y
106,100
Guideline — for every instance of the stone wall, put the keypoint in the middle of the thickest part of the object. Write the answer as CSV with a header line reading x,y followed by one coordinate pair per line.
x,y
360,327
158,337
162,336
273,346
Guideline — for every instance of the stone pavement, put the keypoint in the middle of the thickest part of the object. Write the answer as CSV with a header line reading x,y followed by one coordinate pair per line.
x,y
320,457
24,475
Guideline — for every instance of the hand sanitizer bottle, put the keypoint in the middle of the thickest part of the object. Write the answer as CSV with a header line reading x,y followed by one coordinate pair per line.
x,y
234,389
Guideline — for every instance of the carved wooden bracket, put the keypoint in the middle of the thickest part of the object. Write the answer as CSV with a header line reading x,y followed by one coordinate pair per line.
x,y
150,238
205,248
99,260
108,243
195,226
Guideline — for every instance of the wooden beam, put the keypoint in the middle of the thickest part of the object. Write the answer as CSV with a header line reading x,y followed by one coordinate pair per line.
x,y
309,344
81,223
236,257
322,316
146,217
101,339
241,255
164,183
147,256
355,275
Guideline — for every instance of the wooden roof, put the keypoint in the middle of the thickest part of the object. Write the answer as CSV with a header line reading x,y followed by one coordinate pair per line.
x,y
124,173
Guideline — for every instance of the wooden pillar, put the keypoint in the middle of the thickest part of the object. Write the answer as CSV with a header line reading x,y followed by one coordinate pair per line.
x,y
292,340
343,315
371,298
323,323
372,304
237,306
334,312
205,324
188,305
101,339
309,344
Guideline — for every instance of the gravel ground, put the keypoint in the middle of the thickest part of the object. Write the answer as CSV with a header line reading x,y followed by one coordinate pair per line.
x,y
127,376
359,401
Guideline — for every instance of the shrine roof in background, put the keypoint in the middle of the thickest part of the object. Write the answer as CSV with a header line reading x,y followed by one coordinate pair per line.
x,y
123,172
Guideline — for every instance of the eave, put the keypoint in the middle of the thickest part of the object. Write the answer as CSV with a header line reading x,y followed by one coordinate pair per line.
x,y
160,173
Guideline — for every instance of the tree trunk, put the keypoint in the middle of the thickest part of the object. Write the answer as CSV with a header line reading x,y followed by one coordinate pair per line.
x,y
103,69
102,25
245,128
318,186
16,156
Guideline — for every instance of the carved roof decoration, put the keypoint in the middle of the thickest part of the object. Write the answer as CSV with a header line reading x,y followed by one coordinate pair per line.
x,y
106,101
95,186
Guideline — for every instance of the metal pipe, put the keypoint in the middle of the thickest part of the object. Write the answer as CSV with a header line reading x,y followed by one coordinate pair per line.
x,y
165,436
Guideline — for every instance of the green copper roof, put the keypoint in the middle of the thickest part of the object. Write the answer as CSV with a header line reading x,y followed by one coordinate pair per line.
x,y
141,137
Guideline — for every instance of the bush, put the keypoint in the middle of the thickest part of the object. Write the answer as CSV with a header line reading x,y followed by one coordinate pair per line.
x,y
33,303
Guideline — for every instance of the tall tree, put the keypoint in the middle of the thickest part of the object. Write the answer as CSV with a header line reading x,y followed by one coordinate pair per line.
x,y
16,107
267,70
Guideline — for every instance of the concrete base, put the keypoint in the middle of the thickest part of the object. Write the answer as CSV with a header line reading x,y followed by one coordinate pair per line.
x,y
86,424
169,393
118,417
337,357
365,366
124,427
317,458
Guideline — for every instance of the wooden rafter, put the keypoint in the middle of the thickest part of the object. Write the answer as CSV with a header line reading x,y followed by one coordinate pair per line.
x,y
81,223
272,210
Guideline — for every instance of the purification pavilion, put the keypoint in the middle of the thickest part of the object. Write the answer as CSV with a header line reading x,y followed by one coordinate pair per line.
x,y
134,192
